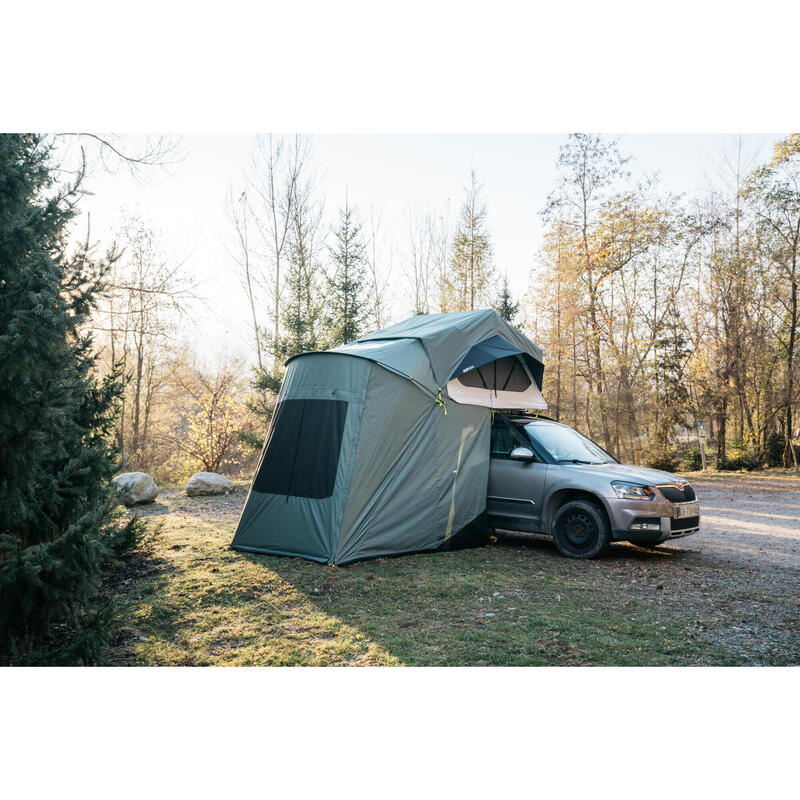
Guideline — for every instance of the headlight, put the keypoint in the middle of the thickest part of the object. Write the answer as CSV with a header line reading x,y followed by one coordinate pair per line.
x,y
632,491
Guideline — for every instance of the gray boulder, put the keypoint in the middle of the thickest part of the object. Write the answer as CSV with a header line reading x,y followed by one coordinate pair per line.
x,y
136,487
208,483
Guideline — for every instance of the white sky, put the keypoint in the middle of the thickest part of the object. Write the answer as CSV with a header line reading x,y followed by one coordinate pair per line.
x,y
185,202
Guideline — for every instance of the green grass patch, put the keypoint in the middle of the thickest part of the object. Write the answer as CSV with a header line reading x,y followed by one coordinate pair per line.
x,y
194,601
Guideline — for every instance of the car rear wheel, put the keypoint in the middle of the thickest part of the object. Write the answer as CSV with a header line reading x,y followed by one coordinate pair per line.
x,y
580,530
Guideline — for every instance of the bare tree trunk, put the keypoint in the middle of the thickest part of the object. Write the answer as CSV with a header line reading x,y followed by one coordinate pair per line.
x,y
789,448
574,378
722,418
598,364
558,338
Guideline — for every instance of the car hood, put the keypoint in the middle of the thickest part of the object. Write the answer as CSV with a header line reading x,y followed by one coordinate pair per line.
x,y
625,472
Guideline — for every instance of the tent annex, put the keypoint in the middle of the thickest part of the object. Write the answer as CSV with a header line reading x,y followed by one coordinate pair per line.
x,y
381,446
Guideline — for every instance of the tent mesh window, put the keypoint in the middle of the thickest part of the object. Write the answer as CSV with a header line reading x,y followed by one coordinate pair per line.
x,y
503,375
302,453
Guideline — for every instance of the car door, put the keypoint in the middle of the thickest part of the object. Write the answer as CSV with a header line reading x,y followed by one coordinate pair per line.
x,y
516,488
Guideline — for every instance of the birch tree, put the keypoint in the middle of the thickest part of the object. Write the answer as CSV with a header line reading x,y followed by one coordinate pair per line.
x,y
279,182
138,316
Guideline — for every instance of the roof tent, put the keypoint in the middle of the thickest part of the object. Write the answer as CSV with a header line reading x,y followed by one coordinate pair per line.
x,y
498,374
381,446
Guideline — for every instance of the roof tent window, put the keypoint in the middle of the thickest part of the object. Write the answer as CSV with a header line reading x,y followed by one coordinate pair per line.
x,y
505,374
497,374
302,454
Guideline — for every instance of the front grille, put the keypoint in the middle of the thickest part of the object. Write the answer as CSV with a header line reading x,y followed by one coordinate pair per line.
x,y
684,523
676,495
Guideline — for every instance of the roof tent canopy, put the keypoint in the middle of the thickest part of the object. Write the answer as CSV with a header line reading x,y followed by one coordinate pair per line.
x,y
453,342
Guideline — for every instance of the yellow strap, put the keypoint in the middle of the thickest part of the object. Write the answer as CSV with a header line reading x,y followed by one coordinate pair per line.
x,y
441,402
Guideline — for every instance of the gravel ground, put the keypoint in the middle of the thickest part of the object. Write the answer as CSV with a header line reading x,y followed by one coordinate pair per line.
x,y
747,554
736,581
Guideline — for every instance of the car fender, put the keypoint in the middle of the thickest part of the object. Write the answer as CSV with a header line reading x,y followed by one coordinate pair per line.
x,y
565,489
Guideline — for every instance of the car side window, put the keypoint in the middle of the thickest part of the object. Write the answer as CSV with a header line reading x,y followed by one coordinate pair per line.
x,y
503,441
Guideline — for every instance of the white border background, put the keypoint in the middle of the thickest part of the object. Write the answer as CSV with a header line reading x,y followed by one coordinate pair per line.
x,y
401,67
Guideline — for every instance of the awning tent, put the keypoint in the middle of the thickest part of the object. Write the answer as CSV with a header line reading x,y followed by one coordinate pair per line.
x,y
381,446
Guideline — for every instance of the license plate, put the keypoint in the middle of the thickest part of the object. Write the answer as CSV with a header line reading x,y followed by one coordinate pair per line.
x,y
686,510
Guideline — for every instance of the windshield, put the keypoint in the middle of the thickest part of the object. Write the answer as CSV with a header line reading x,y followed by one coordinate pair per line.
x,y
566,445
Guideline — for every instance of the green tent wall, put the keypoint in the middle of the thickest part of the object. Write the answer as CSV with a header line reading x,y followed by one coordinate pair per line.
x,y
367,455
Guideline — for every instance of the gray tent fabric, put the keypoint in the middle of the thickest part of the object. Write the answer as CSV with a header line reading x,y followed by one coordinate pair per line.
x,y
447,338
367,455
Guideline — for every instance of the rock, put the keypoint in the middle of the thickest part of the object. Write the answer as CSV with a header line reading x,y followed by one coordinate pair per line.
x,y
136,487
208,483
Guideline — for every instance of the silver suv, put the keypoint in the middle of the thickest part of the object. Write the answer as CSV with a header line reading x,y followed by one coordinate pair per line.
x,y
545,477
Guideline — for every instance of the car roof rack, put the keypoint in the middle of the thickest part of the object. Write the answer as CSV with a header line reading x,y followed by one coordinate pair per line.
x,y
517,414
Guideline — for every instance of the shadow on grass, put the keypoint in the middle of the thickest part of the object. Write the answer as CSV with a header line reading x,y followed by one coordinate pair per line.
x,y
150,509
515,603
508,604
142,575
617,551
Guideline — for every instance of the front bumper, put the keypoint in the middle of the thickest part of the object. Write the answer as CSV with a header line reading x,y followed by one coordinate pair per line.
x,y
649,521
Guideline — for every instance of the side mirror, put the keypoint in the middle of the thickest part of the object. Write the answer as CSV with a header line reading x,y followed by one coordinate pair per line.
x,y
521,454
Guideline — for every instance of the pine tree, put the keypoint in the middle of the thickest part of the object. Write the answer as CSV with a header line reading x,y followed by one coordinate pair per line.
x,y
301,316
347,304
504,303
56,419
467,281
670,355
302,305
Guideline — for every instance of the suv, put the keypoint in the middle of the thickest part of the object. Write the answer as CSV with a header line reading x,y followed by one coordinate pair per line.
x,y
545,477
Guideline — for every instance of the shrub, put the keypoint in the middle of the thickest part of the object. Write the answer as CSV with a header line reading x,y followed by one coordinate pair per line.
x,y
661,458
745,462
124,538
773,452
691,461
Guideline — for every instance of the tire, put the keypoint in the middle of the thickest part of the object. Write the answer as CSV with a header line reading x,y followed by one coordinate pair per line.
x,y
580,530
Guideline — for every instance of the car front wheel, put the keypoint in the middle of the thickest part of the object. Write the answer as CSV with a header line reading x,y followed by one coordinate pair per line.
x,y
580,530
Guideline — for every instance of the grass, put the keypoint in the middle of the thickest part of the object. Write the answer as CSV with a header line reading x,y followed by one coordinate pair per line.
x,y
193,601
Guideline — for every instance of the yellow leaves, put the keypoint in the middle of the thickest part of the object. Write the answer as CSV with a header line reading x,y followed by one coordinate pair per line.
x,y
786,149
